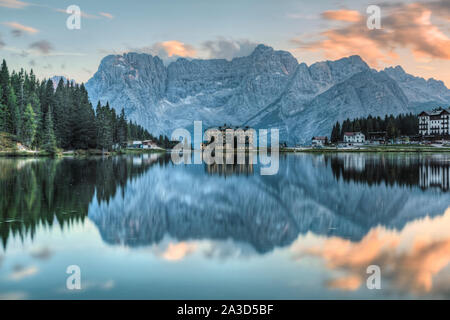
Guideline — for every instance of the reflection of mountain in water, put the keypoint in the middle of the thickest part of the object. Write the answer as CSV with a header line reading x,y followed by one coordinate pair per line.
x,y
306,195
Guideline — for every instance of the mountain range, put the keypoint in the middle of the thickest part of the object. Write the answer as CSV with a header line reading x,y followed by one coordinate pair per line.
x,y
267,89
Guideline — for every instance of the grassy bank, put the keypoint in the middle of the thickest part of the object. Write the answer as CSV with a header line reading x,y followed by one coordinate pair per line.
x,y
389,148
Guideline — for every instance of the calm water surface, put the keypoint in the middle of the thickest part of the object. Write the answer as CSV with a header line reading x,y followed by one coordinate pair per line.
x,y
141,227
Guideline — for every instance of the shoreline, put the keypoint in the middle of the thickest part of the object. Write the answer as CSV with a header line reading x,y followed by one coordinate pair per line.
x,y
76,153
372,149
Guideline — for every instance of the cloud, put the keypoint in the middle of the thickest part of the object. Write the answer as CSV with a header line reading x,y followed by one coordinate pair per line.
x,y
18,29
2,43
167,50
171,50
106,15
227,48
301,16
21,272
402,26
413,260
343,15
177,48
14,4
43,46
82,14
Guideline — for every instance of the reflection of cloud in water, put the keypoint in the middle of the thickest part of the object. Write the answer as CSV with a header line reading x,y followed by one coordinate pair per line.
x,y
42,253
90,286
15,295
413,260
20,272
175,252
172,250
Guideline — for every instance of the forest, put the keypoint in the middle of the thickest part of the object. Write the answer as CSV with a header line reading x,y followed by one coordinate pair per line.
x,y
401,125
44,116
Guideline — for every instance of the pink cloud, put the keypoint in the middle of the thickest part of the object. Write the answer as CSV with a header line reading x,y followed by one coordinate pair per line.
x,y
405,26
106,15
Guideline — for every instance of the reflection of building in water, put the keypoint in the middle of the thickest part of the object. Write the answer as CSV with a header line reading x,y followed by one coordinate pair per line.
x,y
423,171
354,161
230,137
230,169
434,175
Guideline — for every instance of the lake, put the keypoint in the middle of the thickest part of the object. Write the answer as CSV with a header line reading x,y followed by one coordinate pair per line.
x,y
141,227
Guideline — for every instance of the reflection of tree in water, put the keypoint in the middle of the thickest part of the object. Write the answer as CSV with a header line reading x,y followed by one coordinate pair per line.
x,y
422,170
42,192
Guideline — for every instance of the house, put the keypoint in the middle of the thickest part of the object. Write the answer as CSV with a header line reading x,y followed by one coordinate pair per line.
x,y
135,144
377,137
149,144
434,123
354,137
319,141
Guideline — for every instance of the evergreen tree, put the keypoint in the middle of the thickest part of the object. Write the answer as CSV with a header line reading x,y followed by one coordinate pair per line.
x,y
4,83
4,114
49,140
13,110
29,126
391,129
44,117
122,130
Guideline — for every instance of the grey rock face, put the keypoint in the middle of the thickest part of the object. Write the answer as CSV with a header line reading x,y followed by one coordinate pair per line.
x,y
418,89
267,89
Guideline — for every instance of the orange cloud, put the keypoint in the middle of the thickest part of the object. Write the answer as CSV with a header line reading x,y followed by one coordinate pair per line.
x,y
106,15
403,26
20,27
177,48
342,15
409,259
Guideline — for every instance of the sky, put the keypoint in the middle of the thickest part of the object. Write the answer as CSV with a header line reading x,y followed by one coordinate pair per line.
x,y
413,34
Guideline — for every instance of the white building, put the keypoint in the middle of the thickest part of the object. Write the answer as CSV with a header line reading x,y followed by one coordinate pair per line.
x,y
354,137
149,144
434,123
319,141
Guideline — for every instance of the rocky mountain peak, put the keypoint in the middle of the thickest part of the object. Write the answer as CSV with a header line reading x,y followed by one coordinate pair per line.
x,y
268,88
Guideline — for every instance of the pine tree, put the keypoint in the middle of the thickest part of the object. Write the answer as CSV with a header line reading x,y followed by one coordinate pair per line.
x,y
49,143
4,83
29,126
4,114
122,130
14,114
